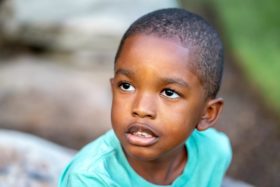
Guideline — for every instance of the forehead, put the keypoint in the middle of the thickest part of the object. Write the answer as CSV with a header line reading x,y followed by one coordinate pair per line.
x,y
153,48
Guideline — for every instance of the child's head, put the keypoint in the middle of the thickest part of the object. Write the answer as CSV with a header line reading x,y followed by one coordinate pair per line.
x,y
194,33
168,70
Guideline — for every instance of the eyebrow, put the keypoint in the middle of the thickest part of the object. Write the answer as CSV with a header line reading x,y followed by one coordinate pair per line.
x,y
176,81
124,72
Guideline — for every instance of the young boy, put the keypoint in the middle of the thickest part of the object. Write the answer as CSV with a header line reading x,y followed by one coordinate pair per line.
x,y
168,70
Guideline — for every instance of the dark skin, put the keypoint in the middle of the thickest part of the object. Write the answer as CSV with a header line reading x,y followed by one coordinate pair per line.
x,y
157,102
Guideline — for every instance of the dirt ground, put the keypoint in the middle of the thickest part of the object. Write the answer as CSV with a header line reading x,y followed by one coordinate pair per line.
x,y
253,129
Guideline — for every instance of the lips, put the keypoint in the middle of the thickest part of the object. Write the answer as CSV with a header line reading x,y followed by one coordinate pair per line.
x,y
141,135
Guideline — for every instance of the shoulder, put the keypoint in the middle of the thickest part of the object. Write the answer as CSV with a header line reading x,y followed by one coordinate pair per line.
x,y
95,152
83,179
209,157
91,161
213,144
213,139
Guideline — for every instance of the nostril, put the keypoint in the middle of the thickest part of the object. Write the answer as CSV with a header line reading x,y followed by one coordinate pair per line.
x,y
134,114
143,114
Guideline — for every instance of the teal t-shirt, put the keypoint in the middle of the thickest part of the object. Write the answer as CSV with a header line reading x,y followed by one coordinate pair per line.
x,y
103,163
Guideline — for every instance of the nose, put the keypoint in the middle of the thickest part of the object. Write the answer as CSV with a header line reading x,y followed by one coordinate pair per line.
x,y
144,106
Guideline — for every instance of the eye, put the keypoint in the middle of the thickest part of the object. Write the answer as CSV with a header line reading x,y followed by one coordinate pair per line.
x,y
170,93
126,87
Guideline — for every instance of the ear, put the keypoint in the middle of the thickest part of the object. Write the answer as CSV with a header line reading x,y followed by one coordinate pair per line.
x,y
211,114
112,83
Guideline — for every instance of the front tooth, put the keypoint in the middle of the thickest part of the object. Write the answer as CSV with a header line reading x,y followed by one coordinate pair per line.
x,y
143,134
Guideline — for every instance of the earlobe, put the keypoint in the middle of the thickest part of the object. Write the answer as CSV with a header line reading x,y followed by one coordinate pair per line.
x,y
211,114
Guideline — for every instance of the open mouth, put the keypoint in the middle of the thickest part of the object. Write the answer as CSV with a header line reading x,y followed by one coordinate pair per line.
x,y
141,135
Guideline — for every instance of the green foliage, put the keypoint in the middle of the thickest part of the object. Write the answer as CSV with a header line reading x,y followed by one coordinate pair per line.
x,y
253,30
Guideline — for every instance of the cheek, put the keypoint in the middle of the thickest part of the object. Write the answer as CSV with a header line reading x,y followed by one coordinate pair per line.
x,y
119,102
182,116
114,109
120,109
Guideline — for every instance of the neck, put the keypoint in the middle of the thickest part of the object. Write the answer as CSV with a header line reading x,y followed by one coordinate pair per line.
x,y
161,171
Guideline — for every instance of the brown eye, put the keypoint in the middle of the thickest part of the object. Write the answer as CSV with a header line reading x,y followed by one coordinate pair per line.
x,y
170,93
126,87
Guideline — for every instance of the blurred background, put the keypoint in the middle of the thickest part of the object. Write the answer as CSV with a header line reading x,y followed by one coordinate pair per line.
x,y
56,58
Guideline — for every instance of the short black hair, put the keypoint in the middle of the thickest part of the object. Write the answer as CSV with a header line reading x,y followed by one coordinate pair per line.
x,y
194,33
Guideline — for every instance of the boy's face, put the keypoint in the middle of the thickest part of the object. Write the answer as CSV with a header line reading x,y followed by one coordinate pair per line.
x,y
157,100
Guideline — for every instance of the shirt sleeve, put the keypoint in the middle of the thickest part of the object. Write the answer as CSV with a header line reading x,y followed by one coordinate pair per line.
x,y
83,180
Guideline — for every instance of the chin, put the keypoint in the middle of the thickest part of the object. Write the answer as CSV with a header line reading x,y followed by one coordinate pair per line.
x,y
141,153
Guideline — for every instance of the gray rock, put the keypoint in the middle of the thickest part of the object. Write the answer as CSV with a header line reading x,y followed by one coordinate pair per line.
x,y
26,160
73,25
58,102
